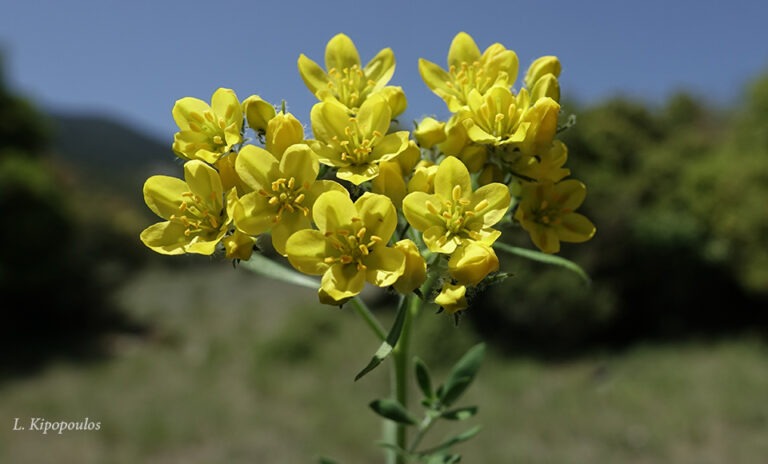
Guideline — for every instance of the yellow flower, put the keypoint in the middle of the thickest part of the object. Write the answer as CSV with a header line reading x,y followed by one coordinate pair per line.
x,y
423,178
452,298
472,262
346,81
469,70
355,145
546,212
454,214
283,192
350,246
258,112
207,132
196,218
549,165
415,273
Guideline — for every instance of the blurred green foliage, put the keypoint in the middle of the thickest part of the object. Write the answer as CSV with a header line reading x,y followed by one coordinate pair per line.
x,y
679,194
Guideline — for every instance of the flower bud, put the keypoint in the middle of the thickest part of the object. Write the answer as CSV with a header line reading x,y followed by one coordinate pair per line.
x,y
238,245
540,67
415,267
283,131
395,98
258,112
452,298
470,263
423,179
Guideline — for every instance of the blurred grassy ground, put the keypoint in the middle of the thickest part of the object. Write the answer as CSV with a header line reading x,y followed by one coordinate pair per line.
x,y
240,370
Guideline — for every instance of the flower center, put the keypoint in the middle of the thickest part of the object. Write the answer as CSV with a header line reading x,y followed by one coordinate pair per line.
x,y
357,148
285,195
212,127
467,77
350,85
196,216
547,214
457,217
352,247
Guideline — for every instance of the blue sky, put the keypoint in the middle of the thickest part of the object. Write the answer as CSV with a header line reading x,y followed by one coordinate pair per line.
x,y
133,59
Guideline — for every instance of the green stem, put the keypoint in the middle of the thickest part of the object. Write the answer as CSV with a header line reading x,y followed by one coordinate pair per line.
x,y
368,317
424,426
400,357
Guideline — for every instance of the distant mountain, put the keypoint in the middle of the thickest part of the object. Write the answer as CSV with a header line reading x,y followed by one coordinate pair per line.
x,y
109,155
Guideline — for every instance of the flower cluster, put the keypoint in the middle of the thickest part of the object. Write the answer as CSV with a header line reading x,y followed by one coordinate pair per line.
x,y
361,201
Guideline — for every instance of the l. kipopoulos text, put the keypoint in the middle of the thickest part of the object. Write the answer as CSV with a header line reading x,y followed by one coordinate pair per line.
x,y
43,425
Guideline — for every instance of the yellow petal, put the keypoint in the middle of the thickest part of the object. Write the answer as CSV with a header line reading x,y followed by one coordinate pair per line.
x,y
357,174
253,214
307,250
289,223
312,74
434,238
497,198
395,98
341,53
185,107
329,119
384,266
163,195
319,187
417,213
575,228
257,167
429,132
378,215
471,263
570,194
545,238
341,282
463,50
333,210
433,75
204,181
450,173
390,146
374,116
300,163
540,67
238,246
165,237
381,68
390,182
415,272
227,107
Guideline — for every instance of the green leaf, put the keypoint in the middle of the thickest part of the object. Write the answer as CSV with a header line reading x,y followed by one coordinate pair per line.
x,y
392,409
462,437
422,377
462,374
545,258
460,413
389,344
262,265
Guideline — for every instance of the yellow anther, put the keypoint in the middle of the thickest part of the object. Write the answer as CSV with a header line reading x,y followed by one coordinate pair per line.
x,y
299,198
464,202
456,192
209,116
361,233
346,259
342,232
329,260
291,182
432,208
273,201
183,206
361,267
363,250
263,193
289,208
544,204
481,206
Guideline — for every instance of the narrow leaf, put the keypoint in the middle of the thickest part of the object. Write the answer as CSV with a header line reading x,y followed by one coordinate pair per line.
x,y
392,409
460,413
324,460
389,344
462,437
452,391
422,377
262,265
545,258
